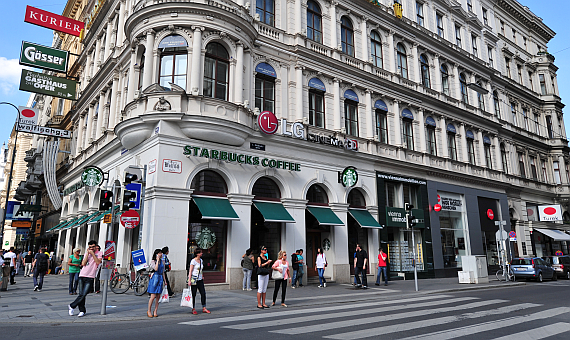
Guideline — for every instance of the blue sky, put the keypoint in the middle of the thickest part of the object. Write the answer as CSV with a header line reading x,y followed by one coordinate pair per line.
x,y
14,30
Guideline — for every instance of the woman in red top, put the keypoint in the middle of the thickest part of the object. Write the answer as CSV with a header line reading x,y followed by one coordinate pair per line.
x,y
382,267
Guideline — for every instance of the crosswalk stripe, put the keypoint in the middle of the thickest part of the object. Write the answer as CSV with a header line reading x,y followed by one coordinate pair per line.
x,y
488,326
266,315
349,314
538,333
344,296
382,318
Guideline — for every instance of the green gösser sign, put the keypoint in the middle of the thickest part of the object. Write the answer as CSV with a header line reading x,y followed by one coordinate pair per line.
x,y
43,57
92,176
349,176
240,158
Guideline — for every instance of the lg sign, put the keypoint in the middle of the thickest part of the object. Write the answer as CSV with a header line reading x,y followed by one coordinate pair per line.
x,y
267,122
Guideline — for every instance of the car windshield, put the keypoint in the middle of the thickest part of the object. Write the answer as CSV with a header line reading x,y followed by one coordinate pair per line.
x,y
523,262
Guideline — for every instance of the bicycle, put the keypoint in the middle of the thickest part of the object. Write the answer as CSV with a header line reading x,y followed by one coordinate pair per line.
x,y
120,283
505,275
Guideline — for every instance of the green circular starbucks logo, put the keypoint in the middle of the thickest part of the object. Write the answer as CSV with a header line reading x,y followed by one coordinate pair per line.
x,y
92,176
205,238
349,176
326,244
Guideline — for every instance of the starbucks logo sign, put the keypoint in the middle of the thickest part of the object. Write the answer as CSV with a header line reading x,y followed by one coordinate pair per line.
x,y
205,238
349,176
92,176
326,244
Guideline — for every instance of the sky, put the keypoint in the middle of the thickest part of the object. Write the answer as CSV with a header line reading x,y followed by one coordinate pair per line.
x,y
14,30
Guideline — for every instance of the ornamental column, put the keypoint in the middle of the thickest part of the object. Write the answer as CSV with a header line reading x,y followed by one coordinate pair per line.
x,y
108,35
100,115
121,26
481,148
80,130
436,75
464,151
340,271
456,83
443,132
415,63
296,234
114,96
148,59
334,38
369,115
87,72
240,234
89,132
421,120
498,162
196,71
397,124
132,86
336,104
299,93
298,17
238,83
391,61
96,57
364,37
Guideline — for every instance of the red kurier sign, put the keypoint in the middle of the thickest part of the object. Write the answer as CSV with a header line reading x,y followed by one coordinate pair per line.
x,y
53,21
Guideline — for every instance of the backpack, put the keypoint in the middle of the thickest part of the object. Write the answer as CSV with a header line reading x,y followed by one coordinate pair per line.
x,y
42,260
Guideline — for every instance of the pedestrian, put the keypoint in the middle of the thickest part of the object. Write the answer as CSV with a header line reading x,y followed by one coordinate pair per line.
x,y
10,257
301,271
360,267
196,281
156,282
295,266
73,268
263,263
5,274
167,268
382,256
59,266
40,268
97,286
320,264
19,261
354,283
28,259
247,268
281,276
90,263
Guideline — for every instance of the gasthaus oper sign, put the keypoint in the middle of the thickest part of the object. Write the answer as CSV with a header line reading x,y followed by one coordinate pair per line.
x,y
48,85
43,57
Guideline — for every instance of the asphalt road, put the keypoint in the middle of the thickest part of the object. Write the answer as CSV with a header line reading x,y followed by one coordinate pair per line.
x,y
533,311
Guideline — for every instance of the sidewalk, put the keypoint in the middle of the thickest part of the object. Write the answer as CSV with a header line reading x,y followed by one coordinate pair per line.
x,y
20,304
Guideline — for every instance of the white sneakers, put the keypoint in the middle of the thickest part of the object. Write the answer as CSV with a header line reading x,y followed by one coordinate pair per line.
x,y
80,314
71,310
325,285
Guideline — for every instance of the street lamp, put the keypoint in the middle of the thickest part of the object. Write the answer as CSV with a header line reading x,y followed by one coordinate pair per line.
x,y
10,177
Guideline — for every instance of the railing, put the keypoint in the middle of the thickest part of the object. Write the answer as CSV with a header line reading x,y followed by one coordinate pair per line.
x,y
321,49
382,73
225,5
268,31
352,61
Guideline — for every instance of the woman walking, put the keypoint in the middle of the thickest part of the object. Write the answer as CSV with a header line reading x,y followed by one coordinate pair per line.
x,y
282,268
74,267
247,268
196,281
263,265
155,284
320,265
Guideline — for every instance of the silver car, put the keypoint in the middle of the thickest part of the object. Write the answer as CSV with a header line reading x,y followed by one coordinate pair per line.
x,y
533,268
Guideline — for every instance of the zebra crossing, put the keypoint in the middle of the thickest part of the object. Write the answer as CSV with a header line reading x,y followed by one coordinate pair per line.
x,y
416,317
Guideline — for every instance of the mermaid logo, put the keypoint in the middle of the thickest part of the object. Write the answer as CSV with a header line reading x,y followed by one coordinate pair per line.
x,y
205,238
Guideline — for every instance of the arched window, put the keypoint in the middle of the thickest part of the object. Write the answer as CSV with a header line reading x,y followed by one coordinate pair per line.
x,y
314,22
265,187
444,80
470,147
316,194
424,71
376,49
408,133
496,104
216,71
463,84
451,145
266,11
209,181
430,136
356,199
347,36
402,61
173,61
141,72
265,87
487,147
481,98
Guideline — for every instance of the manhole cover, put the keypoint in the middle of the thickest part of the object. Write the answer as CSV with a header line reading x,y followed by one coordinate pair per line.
x,y
25,316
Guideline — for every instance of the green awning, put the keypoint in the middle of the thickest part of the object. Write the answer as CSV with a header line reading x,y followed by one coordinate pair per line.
x,y
214,208
70,224
78,221
102,214
57,226
324,215
364,218
273,212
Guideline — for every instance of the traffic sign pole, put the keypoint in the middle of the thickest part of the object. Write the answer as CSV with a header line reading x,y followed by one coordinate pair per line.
x,y
413,251
105,272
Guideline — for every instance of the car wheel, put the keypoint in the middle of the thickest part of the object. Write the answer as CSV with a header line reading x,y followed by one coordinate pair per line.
x,y
539,279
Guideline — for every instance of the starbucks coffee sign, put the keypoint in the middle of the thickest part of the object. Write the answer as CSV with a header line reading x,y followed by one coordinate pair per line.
x,y
349,177
92,176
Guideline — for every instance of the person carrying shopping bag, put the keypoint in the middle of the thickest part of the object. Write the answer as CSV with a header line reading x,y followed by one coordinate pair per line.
x,y
156,282
281,275
196,281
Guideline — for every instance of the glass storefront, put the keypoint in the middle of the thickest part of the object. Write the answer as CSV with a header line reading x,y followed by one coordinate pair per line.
x,y
400,249
454,236
210,236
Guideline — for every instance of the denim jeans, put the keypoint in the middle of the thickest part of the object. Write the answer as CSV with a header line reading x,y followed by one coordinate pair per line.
x,y
246,278
321,272
300,274
360,272
384,272
86,286
294,279
73,281
39,282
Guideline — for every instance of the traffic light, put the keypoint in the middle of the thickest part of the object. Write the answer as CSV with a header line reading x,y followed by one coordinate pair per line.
x,y
128,195
408,206
411,220
130,178
105,200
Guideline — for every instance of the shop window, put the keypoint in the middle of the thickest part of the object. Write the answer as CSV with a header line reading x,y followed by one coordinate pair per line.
x,y
431,141
141,72
382,126
533,168
266,11
314,22
504,159
265,187
424,71
376,49
347,36
407,133
542,84
263,233
209,181
420,13
453,237
210,236
351,117
451,146
549,127
522,171
471,151
316,108
316,194
440,30
444,80
265,93
391,195
556,168
488,159
496,104
410,194
544,171
463,87
402,61
216,71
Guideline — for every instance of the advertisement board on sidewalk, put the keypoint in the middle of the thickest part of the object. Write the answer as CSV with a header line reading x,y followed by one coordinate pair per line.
x,y
139,259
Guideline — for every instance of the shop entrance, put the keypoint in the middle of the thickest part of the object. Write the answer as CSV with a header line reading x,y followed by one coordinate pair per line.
x,y
313,242
400,250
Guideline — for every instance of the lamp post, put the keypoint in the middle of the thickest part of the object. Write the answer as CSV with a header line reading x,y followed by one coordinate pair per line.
x,y
10,177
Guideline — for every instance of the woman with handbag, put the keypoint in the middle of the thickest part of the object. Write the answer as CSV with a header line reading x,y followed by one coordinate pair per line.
x,y
247,268
156,282
196,281
263,264
280,275
320,265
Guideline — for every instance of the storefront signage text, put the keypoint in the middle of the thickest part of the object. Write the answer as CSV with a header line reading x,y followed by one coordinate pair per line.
x,y
73,188
240,158
53,21
401,179
43,57
43,130
44,84
450,202
396,217
297,130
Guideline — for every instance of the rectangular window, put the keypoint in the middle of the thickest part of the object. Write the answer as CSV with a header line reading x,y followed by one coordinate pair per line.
x,y
420,13
530,81
266,11
391,194
474,43
410,194
264,94
514,113
59,107
524,43
490,55
544,171
525,117
533,168
351,117
556,168
451,147
567,174
503,28
488,160
440,30
542,84
504,160
458,36
431,143
485,18
469,6
316,109
408,134
522,171
514,35
549,127
519,69
508,67
553,85
471,151
382,126
536,125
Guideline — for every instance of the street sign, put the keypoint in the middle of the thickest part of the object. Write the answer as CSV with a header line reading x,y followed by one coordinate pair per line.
x,y
130,219
53,21
28,115
139,259
13,212
136,187
43,57
30,207
108,218
43,130
49,85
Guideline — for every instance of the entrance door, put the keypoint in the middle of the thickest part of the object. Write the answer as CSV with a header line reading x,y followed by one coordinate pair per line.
x,y
313,242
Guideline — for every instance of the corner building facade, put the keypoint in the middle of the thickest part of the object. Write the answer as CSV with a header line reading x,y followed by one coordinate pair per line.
x,y
182,87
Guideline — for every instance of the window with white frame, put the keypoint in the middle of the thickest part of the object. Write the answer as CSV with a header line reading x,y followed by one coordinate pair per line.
x,y
347,36
402,61
314,22
351,117
474,45
542,84
490,56
520,74
424,71
522,171
508,67
266,11
463,88
451,145
544,171
430,140
316,108
504,159
496,104
216,71
469,6
488,159
458,35
440,30
514,113
407,133
525,118
536,124
382,125
533,168
470,149
530,82
444,80
265,93
420,13
485,17
556,168
376,49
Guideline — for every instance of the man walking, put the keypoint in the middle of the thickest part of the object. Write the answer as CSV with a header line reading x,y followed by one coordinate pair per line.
x,y
382,267
301,270
295,265
28,259
87,275
167,268
40,267
11,256
360,262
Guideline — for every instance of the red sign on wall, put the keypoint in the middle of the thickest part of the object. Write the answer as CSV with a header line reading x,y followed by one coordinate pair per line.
x,y
490,214
53,21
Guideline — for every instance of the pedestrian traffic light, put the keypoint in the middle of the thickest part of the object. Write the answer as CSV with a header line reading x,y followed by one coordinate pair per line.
x,y
411,220
408,206
105,200
129,177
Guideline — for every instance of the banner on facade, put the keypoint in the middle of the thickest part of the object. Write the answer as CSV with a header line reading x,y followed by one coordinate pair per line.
x,y
22,225
43,57
396,217
450,202
49,85
550,213
53,21
43,130
13,212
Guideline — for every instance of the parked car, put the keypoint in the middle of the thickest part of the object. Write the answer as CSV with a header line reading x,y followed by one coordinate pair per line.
x,y
561,265
533,268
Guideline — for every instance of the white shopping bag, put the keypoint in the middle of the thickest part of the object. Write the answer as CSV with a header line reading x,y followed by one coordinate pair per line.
x,y
186,300
164,295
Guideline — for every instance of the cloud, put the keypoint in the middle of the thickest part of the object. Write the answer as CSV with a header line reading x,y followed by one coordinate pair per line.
x,y
10,71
